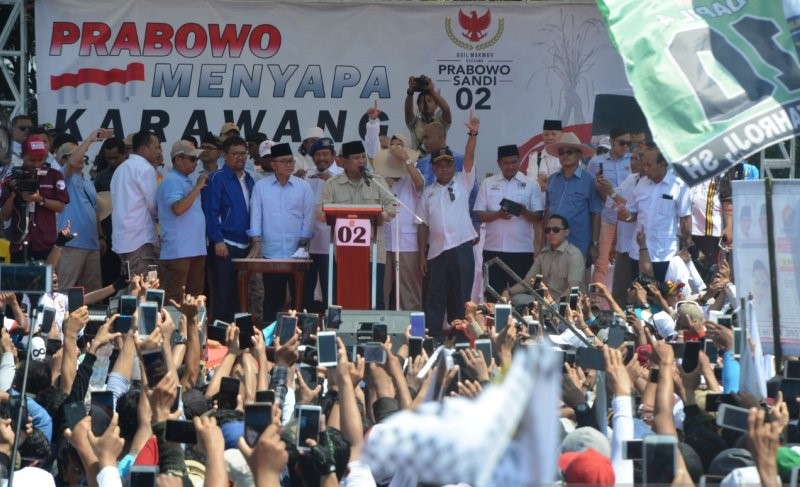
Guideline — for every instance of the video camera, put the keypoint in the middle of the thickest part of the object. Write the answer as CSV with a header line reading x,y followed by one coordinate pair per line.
x,y
26,179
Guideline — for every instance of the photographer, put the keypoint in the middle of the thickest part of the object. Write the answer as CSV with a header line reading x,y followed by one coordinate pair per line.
x,y
31,197
428,101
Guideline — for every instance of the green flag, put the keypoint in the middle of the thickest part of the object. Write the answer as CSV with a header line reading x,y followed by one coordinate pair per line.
x,y
717,80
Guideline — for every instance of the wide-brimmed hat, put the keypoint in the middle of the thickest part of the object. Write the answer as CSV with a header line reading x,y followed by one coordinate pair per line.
x,y
388,166
103,205
569,140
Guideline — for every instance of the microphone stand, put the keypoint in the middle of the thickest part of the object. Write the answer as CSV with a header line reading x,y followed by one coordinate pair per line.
x,y
367,177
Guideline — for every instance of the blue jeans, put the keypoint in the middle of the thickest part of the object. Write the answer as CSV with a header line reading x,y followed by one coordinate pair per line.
x,y
225,284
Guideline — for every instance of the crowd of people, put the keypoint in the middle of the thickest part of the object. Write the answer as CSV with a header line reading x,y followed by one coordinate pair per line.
x,y
624,268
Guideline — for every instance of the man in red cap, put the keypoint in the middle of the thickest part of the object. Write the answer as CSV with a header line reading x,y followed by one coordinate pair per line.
x,y
586,468
31,197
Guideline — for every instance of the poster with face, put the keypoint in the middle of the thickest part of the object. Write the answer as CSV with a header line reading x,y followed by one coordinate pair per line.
x,y
786,218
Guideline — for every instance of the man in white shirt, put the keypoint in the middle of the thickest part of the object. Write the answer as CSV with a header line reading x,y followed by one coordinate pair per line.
x,y
397,165
323,153
508,204
133,200
662,209
447,233
542,165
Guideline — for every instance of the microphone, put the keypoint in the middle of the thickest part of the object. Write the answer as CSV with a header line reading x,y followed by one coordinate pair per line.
x,y
365,174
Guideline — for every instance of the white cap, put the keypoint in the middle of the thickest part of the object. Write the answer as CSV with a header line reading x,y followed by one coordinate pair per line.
x,y
264,148
313,132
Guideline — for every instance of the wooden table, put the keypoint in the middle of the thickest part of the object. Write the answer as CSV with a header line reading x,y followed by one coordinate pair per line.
x,y
295,267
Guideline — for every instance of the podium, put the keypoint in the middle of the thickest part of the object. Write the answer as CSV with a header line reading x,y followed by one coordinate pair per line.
x,y
353,246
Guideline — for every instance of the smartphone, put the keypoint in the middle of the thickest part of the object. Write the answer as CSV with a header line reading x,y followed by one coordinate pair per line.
x,y
144,476
569,357
217,331
309,324
678,349
501,314
123,324
333,317
265,396
102,410
244,322
725,320
156,296
174,314
791,391
155,366
654,376
616,336
180,432
711,350
600,168
257,417
660,457
327,349
287,328
113,307
380,332
632,450
374,353
418,324
152,272
126,271
414,347
732,417
53,345
74,412
792,369
178,398
308,420
128,304
427,345
148,313
537,282
562,307
691,355
228,390
590,358
485,347
48,317
573,301
309,374
593,288
713,401
74,298
737,341
355,351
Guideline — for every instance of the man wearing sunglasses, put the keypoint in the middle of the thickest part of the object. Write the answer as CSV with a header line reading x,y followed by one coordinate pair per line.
x,y
560,263
571,193
182,222
612,167
20,125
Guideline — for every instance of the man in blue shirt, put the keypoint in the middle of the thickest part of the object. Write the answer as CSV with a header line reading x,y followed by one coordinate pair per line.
x,y
226,204
80,258
182,222
571,194
281,222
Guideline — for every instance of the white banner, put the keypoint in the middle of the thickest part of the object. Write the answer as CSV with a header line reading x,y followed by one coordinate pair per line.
x,y
186,67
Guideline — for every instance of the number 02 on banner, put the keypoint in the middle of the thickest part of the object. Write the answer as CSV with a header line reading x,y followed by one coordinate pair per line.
x,y
353,232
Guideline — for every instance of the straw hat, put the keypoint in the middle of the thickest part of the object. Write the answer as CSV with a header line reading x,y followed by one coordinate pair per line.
x,y
569,140
388,166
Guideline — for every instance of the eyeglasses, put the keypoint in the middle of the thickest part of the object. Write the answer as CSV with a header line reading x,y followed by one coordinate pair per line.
x,y
209,147
451,193
624,143
287,162
239,154
567,152
549,230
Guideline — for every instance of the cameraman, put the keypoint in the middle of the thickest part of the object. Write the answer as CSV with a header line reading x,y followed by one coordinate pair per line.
x,y
428,101
32,213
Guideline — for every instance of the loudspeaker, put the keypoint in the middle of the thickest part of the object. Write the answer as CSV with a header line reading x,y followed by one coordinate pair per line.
x,y
396,324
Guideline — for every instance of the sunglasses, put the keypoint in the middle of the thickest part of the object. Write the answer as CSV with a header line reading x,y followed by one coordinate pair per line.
x,y
567,152
624,143
451,193
549,230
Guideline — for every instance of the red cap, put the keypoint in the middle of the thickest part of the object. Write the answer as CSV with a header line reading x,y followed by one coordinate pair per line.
x,y
34,146
643,354
587,467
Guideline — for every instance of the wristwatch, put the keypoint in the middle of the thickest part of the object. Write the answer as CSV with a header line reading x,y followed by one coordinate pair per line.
x,y
595,243
180,340
409,162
